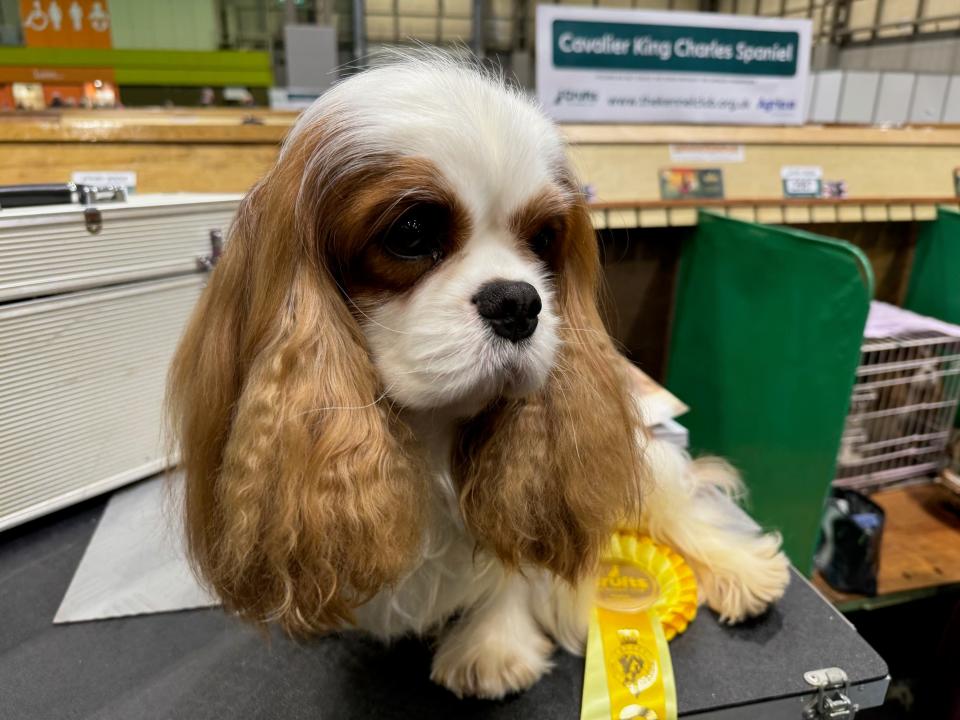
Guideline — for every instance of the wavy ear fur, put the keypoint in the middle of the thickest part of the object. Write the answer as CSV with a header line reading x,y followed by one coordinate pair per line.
x,y
545,479
301,499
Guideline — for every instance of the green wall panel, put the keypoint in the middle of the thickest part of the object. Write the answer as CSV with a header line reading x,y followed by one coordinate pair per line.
x,y
154,67
935,277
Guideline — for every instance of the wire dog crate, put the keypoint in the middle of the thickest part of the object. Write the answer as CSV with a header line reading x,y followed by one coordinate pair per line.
x,y
902,410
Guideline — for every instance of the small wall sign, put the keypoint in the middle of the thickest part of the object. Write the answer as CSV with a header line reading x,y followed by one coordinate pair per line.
x,y
801,181
691,183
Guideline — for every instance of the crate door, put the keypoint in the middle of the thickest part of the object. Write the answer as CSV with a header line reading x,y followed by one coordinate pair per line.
x,y
765,343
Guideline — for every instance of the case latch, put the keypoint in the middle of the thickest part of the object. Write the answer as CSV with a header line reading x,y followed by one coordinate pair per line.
x,y
208,262
93,220
88,195
832,702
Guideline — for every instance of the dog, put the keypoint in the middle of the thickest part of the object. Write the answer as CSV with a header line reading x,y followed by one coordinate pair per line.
x,y
396,404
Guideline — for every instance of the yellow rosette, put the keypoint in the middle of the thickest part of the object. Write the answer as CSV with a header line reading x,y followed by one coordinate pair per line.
x,y
646,595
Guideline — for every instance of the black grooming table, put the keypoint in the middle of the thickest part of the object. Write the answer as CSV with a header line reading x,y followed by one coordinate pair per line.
x,y
201,664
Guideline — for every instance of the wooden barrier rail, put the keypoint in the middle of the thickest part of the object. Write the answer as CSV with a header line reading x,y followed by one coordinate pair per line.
x,y
662,213
769,202
228,149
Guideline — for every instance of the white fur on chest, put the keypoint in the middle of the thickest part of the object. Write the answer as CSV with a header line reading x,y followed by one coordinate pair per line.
x,y
450,574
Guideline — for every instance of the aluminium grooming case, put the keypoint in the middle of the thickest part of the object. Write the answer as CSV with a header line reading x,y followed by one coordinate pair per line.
x,y
60,248
93,299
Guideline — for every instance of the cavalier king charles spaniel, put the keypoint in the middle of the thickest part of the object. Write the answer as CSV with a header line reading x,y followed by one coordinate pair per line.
x,y
397,407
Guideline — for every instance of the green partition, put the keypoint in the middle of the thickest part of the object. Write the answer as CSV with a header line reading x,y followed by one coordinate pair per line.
x,y
765,343
935,278
934,288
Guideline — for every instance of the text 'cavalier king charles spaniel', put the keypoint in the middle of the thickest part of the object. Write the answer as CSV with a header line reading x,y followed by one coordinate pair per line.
x,y
397,406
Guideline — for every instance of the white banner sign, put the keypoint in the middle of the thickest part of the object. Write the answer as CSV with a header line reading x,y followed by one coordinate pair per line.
x,y
609,65
707,153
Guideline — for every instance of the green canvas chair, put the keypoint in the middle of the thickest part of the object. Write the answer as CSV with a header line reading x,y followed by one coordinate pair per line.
x,y
764,347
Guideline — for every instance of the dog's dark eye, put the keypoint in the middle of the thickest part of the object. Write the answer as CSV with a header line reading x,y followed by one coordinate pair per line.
x,y
544,238
417,235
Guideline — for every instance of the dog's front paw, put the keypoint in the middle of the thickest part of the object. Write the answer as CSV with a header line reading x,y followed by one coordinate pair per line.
x,y
747,587
490,665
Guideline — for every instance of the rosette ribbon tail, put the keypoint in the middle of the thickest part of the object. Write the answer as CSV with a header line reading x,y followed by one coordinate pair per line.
x,y
646,595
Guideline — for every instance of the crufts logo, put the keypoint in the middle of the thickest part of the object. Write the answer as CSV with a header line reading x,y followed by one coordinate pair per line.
x,y
575,97
775,104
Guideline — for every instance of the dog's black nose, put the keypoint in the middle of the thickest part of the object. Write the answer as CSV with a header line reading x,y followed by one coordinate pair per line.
x,y
510,308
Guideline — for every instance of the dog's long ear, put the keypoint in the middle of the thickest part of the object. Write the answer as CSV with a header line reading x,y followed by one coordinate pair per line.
x,y
546,479
301,500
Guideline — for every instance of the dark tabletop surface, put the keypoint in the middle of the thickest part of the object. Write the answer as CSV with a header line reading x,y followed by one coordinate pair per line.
x,y
202,664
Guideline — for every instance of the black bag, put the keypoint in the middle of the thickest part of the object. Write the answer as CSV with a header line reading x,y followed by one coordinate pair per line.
x,y
848,552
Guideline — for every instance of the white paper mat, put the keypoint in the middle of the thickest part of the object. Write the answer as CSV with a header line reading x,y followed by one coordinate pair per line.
x,y
659,404
887,320
135,561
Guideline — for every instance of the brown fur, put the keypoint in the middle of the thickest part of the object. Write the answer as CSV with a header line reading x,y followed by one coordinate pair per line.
x,y
373,207
550,211
545,479
302,497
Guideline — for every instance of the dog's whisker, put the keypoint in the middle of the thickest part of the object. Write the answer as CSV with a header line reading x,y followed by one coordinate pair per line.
x,y
365,315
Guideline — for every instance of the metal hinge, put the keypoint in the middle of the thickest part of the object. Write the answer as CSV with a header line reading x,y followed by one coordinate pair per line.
x,y
208,262
832,702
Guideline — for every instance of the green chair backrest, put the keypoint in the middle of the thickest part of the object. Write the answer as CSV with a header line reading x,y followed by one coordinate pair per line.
x,y
764,348
934,287
935,277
